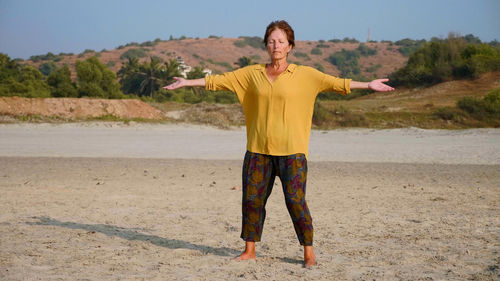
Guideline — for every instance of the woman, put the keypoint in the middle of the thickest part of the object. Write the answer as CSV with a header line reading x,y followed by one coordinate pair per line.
x,y
278,102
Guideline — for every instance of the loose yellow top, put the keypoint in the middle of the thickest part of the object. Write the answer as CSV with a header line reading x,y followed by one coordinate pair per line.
x,y
278,114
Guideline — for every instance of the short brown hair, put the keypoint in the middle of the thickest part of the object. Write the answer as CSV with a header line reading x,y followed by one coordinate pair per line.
x,y
283,25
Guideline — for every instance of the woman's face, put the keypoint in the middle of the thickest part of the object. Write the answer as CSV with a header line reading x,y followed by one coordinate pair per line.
x,y
277,45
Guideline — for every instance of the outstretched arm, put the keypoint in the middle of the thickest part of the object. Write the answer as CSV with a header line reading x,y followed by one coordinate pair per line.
x,y
376,85
181,82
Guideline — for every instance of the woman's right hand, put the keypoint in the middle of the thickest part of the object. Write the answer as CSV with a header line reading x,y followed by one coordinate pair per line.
x,y
179,83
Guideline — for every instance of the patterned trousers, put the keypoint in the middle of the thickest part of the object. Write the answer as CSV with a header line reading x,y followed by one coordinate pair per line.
x,y
259,172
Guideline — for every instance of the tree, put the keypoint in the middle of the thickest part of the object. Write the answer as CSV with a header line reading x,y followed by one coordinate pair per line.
x,y
96,80
129,81
60,82
442,60
47,67
150,75
21,80
244,61
146,78
196,73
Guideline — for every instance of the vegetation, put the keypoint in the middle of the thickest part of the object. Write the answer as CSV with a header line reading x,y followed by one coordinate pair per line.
x,y
345,40
21,80
473,111
339,116
221,63
373,68
134,53
47,67
487,108
366,51
319,67
146,78
301,55
244,61
408,46
48,57
429,62
60,83
94,79
316,51
347,61
195,73
444,60
255,42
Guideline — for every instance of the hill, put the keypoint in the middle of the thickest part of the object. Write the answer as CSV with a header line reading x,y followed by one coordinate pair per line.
x,y
220,54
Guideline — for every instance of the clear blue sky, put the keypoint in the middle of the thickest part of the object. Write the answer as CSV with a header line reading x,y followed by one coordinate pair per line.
x,y
34,27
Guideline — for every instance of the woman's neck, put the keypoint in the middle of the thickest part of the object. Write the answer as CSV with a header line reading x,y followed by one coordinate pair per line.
x,y
278,65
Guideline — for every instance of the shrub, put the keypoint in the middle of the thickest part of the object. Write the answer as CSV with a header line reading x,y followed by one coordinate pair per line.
x,y
255,42
21,80
443,60
316,51
321,114
492,101
96,80
347,62
366,51
448,114
319,67
487,107
48,57
47,67
350,40
408,46
131,53
148,44
60,83
301,55
373,68
338,116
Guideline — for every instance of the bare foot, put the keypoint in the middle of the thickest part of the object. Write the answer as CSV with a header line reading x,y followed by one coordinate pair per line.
x,y
245,256
310,262
309,257
249,253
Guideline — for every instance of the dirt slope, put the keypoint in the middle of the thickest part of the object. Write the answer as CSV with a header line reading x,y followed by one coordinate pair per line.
x,y
77,108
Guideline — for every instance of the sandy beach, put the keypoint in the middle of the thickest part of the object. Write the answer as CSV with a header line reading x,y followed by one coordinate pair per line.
x,y
111,201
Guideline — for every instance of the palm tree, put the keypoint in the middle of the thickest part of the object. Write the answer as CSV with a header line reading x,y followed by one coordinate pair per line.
x,y
170,70
146,78
244,61
150,74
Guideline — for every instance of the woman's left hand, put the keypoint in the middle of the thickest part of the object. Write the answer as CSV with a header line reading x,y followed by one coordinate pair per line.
x,y
379,86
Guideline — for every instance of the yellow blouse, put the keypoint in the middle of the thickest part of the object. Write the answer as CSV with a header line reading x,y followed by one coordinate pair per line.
x,y
278,114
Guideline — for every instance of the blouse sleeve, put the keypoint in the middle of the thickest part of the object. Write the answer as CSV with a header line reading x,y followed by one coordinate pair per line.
x,y
236,81
329,83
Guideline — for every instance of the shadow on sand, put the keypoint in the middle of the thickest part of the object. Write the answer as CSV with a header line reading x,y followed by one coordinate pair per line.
x,y
133,234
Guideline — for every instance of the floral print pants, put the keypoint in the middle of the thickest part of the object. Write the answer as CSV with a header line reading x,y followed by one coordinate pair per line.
x,y
259,172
